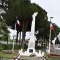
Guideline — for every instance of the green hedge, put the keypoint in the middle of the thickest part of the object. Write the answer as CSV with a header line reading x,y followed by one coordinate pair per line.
x,y
6,46
17,47
9,46
40,47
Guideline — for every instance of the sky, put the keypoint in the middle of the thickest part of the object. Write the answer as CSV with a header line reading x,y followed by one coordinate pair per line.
x,y
13,33
52,8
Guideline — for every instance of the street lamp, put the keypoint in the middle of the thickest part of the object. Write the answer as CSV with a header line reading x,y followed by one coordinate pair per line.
x,y
50,36
51,18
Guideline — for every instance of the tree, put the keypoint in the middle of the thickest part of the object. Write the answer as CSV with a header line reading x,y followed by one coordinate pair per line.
x,y
3,29
21,9
24,9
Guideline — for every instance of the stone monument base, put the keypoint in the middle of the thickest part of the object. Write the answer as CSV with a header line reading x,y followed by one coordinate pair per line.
x,y
31,52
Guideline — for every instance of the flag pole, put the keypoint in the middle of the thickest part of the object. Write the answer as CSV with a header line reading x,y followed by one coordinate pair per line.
x,y
50,36
49,41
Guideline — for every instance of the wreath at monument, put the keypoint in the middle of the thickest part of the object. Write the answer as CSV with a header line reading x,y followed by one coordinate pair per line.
x,y
33,55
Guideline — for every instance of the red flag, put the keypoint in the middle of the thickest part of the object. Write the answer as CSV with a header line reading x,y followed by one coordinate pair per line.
x,y
51,26
18,22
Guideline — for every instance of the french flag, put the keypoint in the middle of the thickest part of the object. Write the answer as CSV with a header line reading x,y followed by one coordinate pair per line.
x,y
51,26
18,23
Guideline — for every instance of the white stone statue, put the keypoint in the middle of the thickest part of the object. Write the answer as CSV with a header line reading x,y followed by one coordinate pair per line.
x,y
31,43
58,36
53,41
32,37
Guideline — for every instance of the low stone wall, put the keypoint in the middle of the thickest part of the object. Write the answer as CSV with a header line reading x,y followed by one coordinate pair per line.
x,y
54,50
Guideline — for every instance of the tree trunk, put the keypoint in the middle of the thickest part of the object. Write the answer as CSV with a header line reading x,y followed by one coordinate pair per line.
x,y
23,33
36,43
7,39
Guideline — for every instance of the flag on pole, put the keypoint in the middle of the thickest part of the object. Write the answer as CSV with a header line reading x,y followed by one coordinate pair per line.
x,y
18,23
51,26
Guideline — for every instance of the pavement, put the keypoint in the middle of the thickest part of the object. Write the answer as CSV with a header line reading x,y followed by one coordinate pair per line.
x,y
32,58
25,58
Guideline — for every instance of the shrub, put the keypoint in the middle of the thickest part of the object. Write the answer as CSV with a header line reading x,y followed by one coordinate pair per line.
x,y
1,48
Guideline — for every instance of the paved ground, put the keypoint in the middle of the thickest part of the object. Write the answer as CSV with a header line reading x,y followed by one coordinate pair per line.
x,y
25,58
32,58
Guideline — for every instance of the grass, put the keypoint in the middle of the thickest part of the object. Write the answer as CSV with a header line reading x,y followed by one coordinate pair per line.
x,y
51,58
9,55
16,52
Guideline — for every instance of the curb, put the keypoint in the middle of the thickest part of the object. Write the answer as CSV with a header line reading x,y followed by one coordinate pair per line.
x,y
16,57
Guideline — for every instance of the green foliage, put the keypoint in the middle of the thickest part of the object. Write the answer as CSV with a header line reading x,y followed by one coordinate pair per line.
x,y
24,9
19,8
3,30
6,46
56,30
2,26
9,46
17,47
25,46
1,48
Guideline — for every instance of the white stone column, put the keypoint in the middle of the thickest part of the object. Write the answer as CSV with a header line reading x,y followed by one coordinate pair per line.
x,y
31,44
